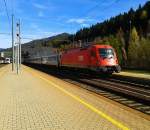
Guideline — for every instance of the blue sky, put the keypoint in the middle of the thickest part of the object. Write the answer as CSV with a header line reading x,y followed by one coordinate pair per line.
x,y
44,18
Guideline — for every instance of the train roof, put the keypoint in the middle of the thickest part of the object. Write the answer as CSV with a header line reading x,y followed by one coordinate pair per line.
x,y
88,46
102,46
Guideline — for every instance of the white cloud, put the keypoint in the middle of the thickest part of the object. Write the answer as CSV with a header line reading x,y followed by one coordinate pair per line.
x,y
85,25
81,21
39,6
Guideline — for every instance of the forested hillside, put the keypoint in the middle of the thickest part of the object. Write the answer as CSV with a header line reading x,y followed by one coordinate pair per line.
x,y
41,46
134,18
128,33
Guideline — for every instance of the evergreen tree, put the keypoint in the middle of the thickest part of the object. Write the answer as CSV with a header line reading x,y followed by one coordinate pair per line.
x,y
134,37
148,29
133,48
121,40
144,54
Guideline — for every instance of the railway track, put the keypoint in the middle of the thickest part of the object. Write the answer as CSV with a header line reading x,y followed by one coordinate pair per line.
x,y
126,80
139,93
140,82
131,94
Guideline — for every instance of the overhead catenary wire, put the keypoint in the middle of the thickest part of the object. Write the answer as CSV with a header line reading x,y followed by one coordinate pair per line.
x,y
98,5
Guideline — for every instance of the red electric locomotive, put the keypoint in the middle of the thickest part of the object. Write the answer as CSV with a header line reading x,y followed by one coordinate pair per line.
x,y
99,58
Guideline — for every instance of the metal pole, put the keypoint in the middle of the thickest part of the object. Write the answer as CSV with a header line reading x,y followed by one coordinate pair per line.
x,y
19,47
18,58
15,55
13,49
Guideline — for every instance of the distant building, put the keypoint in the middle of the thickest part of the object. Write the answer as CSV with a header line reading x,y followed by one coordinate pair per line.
x,y
1,54
2,59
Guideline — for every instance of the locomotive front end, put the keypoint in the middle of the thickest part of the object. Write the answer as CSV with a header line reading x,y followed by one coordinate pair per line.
x,y
107,58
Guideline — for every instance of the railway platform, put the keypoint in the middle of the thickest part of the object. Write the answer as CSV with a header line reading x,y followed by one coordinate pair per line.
x,y
135,74
34,100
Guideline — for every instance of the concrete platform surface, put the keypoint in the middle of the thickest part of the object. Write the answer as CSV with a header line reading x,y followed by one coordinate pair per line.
x,y
134,74
33,100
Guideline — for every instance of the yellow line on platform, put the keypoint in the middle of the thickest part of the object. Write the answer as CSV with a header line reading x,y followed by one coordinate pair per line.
x,y
91,107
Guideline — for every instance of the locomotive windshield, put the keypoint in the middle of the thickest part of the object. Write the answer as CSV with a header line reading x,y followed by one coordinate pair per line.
x,y
106,52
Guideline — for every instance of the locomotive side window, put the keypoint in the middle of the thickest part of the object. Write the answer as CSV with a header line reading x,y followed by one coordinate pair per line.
x,y
105,52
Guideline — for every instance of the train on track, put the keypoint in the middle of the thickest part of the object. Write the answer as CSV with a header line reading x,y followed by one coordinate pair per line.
x,y
98,58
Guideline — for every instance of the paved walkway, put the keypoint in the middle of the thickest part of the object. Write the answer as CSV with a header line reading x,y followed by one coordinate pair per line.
x,y
134,74
33,100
